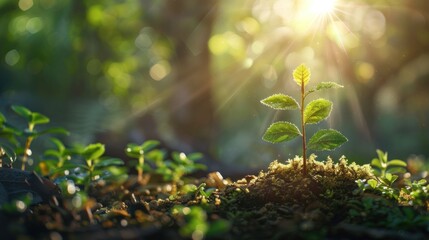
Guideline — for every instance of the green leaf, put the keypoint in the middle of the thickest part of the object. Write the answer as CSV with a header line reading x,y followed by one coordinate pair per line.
x,y
372,183
52,152
382,156
422,181
396,170
199,166
149,145
105,162
327,85
93,151
376,172
301,75
22,111
134,150
326,139
9,129
390,177
317,110
324,85
57,130
195,156
32,117
280,132
280,102
37,118
396,162
59,144
376,163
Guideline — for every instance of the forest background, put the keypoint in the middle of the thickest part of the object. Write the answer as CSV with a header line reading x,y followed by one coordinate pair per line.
x,y
191,73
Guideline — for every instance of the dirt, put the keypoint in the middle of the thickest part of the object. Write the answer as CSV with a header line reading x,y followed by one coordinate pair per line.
x,y
279,203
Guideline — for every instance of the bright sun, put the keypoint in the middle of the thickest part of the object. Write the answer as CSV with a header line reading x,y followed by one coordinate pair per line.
x,y
321,7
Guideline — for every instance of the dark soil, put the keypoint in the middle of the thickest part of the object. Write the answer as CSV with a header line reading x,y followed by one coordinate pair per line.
x,y
280,203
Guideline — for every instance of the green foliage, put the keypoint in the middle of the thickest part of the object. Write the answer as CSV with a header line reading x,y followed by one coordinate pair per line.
x,y
198,192
21,139
54,159
82,165
280,132
280,102
180,165
415,193
314,112
171,170
317,111
98,167
301,75
385,173
33,118
384,168
379,212
326,139
139,152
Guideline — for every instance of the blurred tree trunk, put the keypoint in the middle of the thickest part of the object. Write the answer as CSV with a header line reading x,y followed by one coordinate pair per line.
x,y
188,25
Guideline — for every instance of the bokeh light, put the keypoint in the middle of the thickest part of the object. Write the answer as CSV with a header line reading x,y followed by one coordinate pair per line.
x,y
120,68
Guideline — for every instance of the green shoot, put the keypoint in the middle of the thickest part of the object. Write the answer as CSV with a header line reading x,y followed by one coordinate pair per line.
x,y
139,151
385,169
98,167
315,111
180,165
11,133
385,172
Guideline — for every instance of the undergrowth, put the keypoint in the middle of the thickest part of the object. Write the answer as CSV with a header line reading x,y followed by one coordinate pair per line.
x,y
332,197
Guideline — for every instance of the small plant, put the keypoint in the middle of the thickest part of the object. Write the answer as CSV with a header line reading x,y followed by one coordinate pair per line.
x,y
314,112
56,160
12,133
415,193
385,169
98,167
385,172
139,152
181,164
198,192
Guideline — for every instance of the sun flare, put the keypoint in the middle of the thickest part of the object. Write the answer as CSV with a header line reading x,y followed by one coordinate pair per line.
x,y
322,7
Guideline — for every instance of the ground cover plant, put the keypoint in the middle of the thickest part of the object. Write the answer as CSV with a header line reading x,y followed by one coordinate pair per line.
x,y
78,192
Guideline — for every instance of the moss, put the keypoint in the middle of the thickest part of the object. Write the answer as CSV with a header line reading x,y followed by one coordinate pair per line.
x,y
326,183
281,201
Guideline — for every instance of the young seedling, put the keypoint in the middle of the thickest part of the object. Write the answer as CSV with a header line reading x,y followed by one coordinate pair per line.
x,y
314,112
180,165
98,167
57,161
385,172
11,133
139,152
385,169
